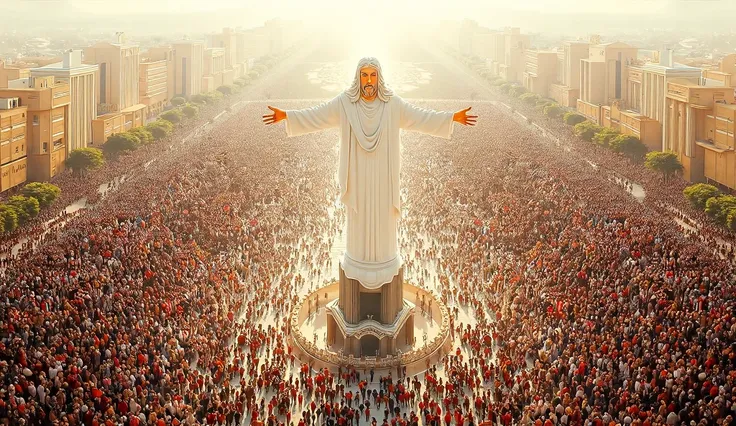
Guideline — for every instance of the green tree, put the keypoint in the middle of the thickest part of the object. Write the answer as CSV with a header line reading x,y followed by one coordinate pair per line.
x,y
731,218
26,208
505,87
173,116
553,111
260,68
665,162
160,129
253,75
121,142
199,99
573,118
9,218
226,90
699,193
718,207
530,98
587,130
604,137
629,145
213,96
190,111
46,193
517,91
143,135
178,101
83,159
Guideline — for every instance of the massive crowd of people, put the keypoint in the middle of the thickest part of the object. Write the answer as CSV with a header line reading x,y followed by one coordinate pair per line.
x,y
573,303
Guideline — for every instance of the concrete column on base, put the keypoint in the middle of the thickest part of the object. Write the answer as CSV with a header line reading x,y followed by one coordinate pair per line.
x,y
349,298
331,329
409,330
392,298
385,346
352,346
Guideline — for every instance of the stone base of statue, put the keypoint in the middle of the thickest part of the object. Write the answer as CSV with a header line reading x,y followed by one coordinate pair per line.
x,y
348,324
370,321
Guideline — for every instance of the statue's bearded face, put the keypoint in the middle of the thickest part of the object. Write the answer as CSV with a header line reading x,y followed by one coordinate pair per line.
x,y
368,82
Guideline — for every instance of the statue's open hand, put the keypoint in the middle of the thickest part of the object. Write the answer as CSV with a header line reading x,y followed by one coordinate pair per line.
x,y
462,117
277,116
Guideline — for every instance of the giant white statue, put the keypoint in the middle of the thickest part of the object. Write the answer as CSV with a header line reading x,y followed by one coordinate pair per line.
x,y
369,117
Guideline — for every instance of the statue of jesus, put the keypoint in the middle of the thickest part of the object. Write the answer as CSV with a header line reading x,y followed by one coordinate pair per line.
x,y
369,116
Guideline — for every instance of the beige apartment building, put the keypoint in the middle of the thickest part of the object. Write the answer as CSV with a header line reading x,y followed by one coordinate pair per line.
x,y
724,75
540,71
107,125
10,73
602,77
227,41
82,80
700,130
515,44
567,90
47,102
167,54
119,69
629,122
646,90
189,67
154,86
13,147
214,66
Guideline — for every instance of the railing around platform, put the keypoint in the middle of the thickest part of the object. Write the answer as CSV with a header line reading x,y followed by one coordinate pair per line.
x,y
432,349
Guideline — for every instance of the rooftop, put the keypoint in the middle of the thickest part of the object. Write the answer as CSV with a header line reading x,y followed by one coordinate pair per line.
x,y
677,68
59,66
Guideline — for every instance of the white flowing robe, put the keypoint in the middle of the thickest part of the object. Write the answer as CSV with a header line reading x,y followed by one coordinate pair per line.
x,y
368,174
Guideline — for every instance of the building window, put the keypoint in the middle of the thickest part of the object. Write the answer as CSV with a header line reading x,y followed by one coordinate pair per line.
x,y
35,120
45,147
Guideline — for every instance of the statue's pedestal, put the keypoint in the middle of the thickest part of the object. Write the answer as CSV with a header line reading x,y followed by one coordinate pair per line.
x,y
370,322
356,301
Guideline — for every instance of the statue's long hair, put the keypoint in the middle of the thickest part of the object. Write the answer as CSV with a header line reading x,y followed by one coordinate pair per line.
x,y
383,91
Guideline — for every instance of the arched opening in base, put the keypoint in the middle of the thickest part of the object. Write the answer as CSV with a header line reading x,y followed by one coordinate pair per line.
x,y
369,345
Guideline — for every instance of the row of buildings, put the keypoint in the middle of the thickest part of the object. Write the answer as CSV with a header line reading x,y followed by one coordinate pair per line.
x,y
48,110
668,105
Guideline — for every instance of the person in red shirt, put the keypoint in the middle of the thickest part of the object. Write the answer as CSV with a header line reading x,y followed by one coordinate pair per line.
x,y
458,418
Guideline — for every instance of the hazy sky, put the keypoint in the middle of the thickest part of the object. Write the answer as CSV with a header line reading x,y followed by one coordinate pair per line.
x,y
299,7
602,14
423,7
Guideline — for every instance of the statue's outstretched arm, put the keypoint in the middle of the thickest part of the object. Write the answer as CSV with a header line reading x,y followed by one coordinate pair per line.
x,y
323,116
428,121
